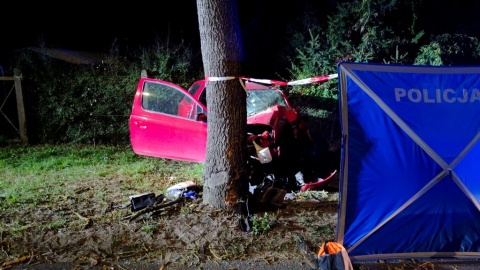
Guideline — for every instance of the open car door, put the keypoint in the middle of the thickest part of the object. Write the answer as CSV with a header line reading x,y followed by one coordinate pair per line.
x,y
167,122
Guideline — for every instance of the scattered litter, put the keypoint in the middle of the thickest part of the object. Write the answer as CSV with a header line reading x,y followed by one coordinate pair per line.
x,y
290,196
320,183
176,191
138,202
245,223
192,194
251,188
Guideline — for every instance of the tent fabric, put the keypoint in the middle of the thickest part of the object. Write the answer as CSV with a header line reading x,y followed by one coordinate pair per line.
x,y
409,174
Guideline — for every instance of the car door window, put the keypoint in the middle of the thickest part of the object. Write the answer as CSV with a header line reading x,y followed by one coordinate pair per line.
x,y
203,97
161,98
165,99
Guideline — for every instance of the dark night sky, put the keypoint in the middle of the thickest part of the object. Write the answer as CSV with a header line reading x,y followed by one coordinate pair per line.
x,y
93,26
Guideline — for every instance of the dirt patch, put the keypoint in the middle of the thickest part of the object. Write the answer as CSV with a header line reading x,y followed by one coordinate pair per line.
x,y
188,233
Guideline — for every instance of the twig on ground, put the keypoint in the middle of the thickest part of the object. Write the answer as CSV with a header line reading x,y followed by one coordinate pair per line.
x,y
15,261
88,221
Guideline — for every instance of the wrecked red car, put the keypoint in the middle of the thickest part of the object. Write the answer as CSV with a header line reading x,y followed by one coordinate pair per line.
x,y
168,121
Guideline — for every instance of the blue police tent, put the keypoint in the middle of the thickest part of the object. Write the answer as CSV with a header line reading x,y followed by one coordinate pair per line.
x,y
410,172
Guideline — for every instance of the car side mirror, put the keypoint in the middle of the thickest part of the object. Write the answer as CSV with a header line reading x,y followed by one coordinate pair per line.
x,y
202,117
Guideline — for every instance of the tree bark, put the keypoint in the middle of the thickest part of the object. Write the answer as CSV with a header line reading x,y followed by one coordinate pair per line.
x,y
224,172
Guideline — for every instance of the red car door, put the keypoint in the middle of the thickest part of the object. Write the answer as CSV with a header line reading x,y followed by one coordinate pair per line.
x,y
164,122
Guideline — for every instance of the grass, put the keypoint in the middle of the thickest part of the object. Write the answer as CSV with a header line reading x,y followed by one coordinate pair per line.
x,y
262,223
53,196
31,176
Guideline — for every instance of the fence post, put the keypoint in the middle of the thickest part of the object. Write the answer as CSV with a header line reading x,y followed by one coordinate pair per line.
x,y
22,124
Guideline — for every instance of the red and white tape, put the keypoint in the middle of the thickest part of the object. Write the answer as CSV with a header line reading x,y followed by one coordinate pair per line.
x,y
264,81
218,79
316,79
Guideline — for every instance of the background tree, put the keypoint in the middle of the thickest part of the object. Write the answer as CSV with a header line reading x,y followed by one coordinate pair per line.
x,y
71,103
380,31
68,103
221,44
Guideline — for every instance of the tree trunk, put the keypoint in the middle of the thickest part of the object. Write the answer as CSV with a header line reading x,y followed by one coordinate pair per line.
x,y
224,173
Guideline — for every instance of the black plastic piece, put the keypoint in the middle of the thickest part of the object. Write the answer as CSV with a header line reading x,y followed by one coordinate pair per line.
x,y
141,201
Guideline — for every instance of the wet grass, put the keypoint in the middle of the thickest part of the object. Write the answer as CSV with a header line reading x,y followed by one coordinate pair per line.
x,y
47,174
51,196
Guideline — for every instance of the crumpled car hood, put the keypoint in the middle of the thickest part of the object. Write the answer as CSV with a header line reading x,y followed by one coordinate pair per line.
x,y
277,117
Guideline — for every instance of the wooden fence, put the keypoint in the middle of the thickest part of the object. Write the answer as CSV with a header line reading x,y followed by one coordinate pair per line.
x,y
21,129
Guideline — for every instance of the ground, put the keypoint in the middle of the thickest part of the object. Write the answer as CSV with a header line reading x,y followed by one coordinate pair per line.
x,y
184,235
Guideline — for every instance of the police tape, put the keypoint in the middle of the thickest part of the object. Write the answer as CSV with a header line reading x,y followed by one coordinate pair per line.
x,y
316,79
219,79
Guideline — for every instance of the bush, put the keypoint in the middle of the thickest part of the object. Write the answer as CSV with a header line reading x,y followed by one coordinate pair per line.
x,y
71,103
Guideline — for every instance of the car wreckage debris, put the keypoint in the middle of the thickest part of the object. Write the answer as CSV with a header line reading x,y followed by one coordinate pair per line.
x,y
138,202
153,208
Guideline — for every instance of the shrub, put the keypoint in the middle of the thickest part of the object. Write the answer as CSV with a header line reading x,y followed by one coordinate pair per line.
x,y
68,103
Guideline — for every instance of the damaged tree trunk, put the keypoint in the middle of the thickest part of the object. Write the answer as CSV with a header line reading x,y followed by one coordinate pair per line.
x,y
224,173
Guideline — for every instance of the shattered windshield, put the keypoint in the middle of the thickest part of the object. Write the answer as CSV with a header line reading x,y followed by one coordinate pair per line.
x,y
261,100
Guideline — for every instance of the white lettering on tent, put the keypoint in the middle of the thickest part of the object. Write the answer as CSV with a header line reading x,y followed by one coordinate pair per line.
x,y
438,96
449,98
475,95
399,93
414,95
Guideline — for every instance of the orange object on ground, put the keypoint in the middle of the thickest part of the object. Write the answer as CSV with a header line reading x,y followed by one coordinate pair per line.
x,y
333,256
